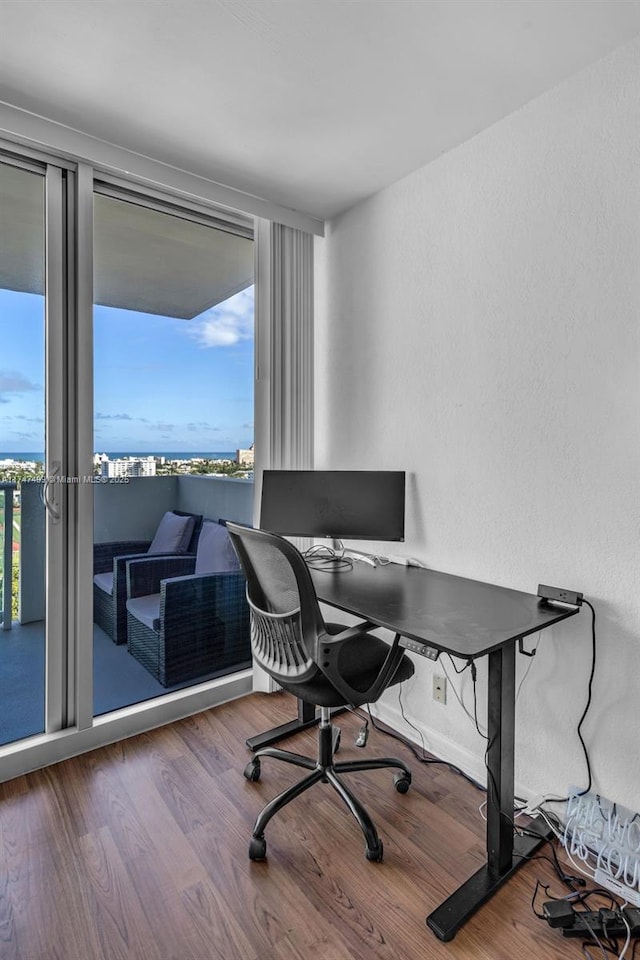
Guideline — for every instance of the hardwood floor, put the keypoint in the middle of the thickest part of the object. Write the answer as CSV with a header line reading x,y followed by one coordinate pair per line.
x,y
139,850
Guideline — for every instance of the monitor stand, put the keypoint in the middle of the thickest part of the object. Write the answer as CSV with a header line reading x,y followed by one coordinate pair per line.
x,y
346,553
339,555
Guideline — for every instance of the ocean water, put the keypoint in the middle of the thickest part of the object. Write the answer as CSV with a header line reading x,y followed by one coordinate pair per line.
x,y
118,454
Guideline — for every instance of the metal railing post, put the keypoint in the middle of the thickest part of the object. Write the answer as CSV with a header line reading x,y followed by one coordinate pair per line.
x,y
7,489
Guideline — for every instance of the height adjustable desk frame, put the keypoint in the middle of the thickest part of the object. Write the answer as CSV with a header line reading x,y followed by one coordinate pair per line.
x,y
467,619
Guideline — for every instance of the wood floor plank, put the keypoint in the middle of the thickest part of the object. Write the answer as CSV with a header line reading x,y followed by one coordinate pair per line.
x,y
139,851
121,927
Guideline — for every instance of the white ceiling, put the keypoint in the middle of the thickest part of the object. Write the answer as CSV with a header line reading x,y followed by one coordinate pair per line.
x,y
312,104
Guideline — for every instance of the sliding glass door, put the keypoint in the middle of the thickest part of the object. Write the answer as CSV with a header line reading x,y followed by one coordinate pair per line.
x,y
126,393
173,379
32,497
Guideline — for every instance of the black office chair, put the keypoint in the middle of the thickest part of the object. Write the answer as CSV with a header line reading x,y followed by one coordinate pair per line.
x,y
326,664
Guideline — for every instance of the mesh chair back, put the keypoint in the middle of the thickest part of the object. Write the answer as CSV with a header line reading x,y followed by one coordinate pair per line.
x,y
285,616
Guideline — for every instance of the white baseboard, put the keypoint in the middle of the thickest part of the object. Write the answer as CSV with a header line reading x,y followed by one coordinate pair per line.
x,y
441,746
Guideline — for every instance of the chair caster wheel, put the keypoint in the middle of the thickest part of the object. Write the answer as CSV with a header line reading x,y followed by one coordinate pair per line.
x,y
375,853
402,781
252,770
336,742
258,848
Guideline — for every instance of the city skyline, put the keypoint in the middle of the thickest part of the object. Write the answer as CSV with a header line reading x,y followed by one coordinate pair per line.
x,y
160,383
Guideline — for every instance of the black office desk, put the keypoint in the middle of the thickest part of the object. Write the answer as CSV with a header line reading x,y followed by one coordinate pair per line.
x,y
467,619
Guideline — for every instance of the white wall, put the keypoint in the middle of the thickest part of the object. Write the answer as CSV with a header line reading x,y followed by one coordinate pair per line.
x,y
477,325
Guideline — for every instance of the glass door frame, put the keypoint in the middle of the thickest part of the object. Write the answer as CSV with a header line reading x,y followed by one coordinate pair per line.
x,y
70,726
56,466
57,177
92,183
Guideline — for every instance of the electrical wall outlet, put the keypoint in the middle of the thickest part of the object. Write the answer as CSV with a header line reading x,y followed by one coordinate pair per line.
x,y
439,688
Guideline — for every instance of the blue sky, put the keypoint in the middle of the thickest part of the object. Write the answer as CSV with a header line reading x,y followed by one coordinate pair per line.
x,y
159,383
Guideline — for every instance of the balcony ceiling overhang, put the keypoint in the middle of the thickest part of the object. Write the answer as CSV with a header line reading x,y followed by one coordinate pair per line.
x,y
146,261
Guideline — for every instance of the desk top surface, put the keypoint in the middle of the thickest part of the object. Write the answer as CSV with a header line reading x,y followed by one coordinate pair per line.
x,y
463,617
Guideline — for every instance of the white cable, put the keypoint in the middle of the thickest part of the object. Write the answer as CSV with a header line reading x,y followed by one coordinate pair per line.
x,y
461,701
529,665
563,839
628,940
551,826
594,936
516,813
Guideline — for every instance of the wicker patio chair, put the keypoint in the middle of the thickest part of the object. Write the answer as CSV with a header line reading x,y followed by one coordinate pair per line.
x,y
187,617
110,567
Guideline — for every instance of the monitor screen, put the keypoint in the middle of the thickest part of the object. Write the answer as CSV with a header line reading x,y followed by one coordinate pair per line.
x,y
340,504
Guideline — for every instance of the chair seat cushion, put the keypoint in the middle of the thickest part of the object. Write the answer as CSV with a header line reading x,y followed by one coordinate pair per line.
x,y
146,610
104,582
361,660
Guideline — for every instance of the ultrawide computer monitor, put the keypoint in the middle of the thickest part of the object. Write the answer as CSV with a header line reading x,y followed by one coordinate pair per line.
x,y
339,504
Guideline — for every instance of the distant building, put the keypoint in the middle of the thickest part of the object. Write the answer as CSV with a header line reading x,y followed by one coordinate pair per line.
x,y
9,462
245,457
128,467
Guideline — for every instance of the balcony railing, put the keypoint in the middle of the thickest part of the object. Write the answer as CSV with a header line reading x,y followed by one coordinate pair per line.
x,y
122,511
7,488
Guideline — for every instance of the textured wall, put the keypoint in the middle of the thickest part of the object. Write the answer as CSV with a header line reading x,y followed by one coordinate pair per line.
x,y
477,325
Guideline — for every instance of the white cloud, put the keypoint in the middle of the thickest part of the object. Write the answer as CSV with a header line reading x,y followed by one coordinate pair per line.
x,y
225,324
13,382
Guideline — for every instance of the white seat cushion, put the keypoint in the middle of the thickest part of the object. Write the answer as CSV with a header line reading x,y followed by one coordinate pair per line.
x,y
104,582
146,610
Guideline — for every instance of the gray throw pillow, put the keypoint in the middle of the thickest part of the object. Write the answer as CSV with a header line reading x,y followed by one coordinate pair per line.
x,y
173,534
215,550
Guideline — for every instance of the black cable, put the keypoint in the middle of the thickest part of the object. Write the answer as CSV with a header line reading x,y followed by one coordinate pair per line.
x,y
474,675
326,559
490,777
594,936
586,709
590,690
538,886
462,669
598,892
604,947
419,756
555,863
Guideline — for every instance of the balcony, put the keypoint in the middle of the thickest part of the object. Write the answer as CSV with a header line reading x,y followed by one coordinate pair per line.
x,y
121,511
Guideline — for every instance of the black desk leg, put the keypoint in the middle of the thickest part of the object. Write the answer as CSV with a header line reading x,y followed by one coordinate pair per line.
x,y
504,854
306,718
500,759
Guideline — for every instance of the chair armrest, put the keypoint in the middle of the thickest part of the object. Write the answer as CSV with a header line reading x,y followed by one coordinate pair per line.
x,y
144,575
202,599
120,574
328,655
104,553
